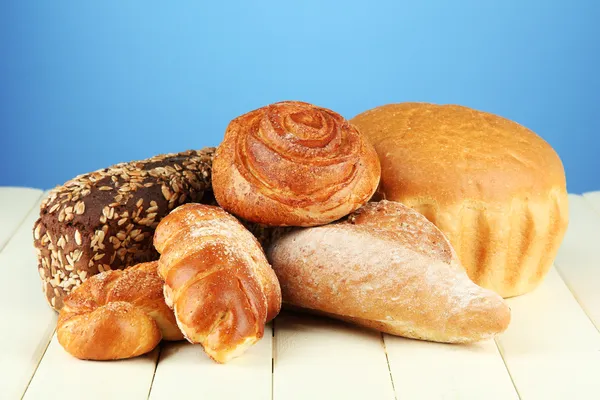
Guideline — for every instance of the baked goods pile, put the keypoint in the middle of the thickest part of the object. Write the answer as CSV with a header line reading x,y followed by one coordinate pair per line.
x,y
412,219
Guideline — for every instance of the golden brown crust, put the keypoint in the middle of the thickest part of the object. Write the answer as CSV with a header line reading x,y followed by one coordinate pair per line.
x,y
495,188
453,153
217,279
387,268
117,314
293,164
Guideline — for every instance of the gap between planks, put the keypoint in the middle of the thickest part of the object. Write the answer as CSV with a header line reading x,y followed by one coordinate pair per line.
x,y
387,359
155,367
273,347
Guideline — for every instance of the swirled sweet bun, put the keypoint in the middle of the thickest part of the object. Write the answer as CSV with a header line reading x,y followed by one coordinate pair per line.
x,y
293,164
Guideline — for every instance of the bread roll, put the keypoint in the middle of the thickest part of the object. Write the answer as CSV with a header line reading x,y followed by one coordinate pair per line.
x,y
293,164
116,314
105,219
495,188
386,267
217,279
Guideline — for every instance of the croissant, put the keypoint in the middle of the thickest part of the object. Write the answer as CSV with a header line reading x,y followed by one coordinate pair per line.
x,y
217,279
116,314
293,164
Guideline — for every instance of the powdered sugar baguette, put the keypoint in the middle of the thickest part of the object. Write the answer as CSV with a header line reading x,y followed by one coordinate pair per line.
x,y
386,267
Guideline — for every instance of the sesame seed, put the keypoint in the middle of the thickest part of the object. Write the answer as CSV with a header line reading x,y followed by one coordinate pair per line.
x,y
104,188
36,232
77,237
98,256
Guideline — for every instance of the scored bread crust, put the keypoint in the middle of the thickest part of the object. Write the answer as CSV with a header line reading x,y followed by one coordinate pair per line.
x,y
217,279
386,267
293,164
495,188
117,314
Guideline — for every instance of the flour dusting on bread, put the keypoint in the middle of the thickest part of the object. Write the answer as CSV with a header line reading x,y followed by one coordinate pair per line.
x,y
386,267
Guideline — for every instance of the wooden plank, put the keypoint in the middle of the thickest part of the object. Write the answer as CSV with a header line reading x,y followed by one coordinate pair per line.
x,y
185,371
578,260
27,319
15,203
426,370
318,358
593,198
551,348
71,378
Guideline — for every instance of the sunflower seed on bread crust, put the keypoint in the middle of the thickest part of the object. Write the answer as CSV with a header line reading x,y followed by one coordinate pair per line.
x,y
105,219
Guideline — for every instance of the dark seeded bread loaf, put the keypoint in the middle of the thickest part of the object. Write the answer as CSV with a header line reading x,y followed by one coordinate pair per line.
x,y
106,219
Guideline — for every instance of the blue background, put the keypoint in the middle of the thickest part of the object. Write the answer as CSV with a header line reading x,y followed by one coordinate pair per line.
x,y
87,84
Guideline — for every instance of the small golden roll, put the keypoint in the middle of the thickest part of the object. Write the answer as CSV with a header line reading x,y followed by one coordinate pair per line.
x,y
117,314
293,164
494,187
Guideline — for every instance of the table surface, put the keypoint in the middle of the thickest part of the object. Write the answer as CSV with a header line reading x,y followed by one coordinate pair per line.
x,y
550,351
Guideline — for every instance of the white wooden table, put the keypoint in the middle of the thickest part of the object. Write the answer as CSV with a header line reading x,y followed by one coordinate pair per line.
x,y
550,351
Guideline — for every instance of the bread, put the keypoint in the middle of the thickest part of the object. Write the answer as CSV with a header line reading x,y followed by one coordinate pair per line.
x,y
217,279
293,164
387,268
105,219
495,188
116,314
